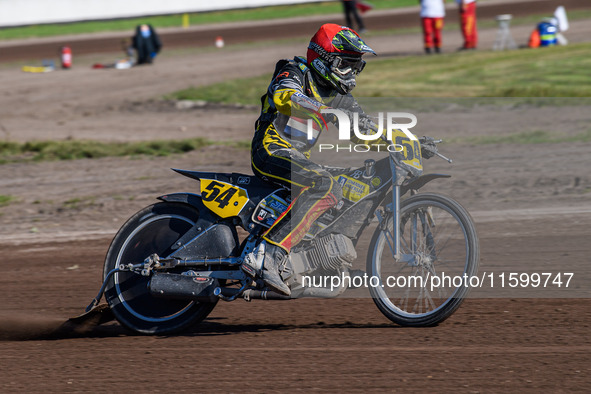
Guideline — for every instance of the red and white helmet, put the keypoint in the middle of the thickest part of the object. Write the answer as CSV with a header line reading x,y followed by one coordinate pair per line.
x,y
334,53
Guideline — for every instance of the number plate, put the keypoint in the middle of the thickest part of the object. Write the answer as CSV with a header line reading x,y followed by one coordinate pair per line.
x,y
223,199
411,150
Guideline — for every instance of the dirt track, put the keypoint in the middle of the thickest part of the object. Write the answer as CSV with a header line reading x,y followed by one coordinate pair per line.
x,y
489,345
531,207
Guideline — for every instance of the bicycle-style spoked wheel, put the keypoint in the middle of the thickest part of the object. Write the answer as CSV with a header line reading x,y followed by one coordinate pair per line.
x,y
440,252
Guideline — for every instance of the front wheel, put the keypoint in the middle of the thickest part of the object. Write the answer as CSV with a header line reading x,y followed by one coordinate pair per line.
x,y
152,230
439,252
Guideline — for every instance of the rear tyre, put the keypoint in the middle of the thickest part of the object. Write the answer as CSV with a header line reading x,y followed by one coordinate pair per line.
x,y
440,234
152,230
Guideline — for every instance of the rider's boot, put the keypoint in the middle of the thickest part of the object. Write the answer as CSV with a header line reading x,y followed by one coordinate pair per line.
x,y
265,261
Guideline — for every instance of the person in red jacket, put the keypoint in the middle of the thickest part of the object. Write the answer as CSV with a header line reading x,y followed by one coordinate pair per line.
x,y
468,23
432,13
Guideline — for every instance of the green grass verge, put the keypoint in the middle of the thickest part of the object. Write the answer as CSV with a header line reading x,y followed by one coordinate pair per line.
x,y
11,152
72,149
262,13
234,91
544,72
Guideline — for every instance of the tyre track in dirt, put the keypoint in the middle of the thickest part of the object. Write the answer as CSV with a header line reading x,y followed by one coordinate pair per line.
x,y
510,344
330,345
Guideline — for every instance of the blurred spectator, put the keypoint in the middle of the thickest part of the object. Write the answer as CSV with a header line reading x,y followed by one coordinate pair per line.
x,y
546,34
468,23
350,8
548,28
146,43
549,31
432,13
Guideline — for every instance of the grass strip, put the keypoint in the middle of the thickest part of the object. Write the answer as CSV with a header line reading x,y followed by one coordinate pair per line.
x,y
35,151
544,72
560,71
234,91
14,152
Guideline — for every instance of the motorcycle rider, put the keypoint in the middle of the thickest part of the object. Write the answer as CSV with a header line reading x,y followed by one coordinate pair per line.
x,y
301,87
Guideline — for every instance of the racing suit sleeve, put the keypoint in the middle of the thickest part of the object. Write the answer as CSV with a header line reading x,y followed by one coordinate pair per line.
x,y
288,97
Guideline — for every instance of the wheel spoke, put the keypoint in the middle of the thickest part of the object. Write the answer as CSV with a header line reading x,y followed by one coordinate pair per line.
x,y
433,229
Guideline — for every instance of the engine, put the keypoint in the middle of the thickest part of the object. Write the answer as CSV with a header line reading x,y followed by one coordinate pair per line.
x,y
327,254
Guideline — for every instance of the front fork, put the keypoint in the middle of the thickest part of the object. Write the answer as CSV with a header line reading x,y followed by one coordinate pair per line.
x,y
396,220
393,238
393,210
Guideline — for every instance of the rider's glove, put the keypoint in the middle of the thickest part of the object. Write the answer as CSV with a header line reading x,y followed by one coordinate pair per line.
x,y
346,102
335,119
428,147
364,123
350,106
367,125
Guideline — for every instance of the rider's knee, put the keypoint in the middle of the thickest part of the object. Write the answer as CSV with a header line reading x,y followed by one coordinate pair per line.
x,y
336,190
327,184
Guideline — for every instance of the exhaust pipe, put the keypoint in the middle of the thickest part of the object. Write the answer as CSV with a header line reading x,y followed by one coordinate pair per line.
x,y
250,294
177,286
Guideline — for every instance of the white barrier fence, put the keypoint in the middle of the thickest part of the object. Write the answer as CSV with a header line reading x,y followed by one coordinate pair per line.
x,y
30,12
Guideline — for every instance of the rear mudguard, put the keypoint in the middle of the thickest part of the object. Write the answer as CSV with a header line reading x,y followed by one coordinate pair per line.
x,y
191,199
210,237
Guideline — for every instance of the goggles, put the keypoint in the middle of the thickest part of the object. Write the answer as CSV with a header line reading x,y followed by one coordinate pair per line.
x,y
345,65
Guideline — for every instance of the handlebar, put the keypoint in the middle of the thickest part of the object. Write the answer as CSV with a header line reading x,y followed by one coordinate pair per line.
x,y
428,144
429,148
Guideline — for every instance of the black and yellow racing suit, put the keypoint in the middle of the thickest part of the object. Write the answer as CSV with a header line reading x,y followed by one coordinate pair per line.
x,y
282,159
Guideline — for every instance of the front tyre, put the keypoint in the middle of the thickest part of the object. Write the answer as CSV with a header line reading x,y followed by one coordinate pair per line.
x,y
152,230
438,241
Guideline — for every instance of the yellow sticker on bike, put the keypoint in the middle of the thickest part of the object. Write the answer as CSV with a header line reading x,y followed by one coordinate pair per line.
x,y
410,150
353,189
222,198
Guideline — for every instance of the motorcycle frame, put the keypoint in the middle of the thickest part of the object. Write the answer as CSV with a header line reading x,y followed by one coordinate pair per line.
x,y
399,188
398,183
207,220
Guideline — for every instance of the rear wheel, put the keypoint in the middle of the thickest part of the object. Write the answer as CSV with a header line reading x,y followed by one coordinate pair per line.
x,y
440,235
152,230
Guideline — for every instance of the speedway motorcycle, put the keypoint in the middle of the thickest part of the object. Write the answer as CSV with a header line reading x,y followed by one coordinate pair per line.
x,y
171,262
